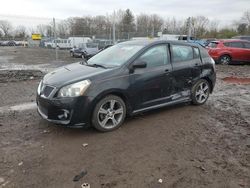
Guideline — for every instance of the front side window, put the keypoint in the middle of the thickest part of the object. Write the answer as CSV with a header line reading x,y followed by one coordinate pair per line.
x,y
182,53
155,56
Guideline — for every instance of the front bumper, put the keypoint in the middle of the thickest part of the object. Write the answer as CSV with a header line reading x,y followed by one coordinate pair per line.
x,y
72,112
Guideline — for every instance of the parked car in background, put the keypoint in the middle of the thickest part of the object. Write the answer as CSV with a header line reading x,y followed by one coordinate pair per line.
x,y
8,43
66,43
126,79
229,51
244,37
85,50
207,41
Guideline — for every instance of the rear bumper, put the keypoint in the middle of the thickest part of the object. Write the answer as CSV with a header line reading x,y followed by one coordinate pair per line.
x,y
72,112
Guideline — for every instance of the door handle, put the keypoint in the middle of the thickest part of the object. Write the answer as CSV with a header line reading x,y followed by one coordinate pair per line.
x,y
166,70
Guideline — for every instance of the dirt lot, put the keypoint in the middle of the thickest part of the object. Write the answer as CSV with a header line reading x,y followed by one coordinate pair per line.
x,y
185,146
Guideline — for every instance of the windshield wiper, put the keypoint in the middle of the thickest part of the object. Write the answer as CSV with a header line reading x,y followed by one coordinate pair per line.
x,y
96,65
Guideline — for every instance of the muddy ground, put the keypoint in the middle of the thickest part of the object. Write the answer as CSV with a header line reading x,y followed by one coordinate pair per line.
x,y
185,146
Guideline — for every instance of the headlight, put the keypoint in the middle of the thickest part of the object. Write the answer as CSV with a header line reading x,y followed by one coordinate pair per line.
x,y
74,90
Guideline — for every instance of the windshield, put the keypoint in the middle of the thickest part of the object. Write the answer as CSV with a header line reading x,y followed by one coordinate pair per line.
x,y
115,55
91,45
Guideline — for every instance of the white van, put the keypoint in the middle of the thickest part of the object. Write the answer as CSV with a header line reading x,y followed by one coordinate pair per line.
x,y
67,43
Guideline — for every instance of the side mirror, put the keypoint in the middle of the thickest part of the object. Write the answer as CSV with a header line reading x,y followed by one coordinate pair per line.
x,y
139,64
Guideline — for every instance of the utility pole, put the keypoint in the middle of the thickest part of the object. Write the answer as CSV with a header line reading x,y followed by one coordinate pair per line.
x,y
114,28
189,29
54,27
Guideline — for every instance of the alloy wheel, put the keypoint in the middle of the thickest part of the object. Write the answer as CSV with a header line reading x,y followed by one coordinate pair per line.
x,y
202,92
225,60
110,114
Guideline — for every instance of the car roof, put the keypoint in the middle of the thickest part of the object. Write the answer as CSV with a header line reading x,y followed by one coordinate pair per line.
x,y
150,42
230,40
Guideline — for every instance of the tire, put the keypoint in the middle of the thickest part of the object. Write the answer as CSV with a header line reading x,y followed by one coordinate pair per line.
x,y
225,60
200,92
109,113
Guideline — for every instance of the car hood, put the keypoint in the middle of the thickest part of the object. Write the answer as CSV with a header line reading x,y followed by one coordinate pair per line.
x,y
71,74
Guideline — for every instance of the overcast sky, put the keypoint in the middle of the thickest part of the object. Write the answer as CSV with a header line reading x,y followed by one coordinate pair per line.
x,y
22,12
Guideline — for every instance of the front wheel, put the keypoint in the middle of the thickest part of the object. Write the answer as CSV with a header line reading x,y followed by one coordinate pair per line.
x,y
225,60
109,113
200,92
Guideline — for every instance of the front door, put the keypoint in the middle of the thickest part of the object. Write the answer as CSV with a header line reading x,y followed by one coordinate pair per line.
x,y
152,85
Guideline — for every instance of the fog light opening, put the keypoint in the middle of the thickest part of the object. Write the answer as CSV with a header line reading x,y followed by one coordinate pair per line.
x,y
64,115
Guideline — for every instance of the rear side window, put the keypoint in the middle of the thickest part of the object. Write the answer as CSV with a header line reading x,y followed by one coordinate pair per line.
x,y
247,45
182,53
236,45
155,56
213,45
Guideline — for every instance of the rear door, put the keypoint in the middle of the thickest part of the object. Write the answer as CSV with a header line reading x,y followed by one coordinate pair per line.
x,y
247,50
187,65
237,51
152,85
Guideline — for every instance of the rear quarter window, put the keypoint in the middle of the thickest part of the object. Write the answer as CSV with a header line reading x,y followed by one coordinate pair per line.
x,y
196,53
247,45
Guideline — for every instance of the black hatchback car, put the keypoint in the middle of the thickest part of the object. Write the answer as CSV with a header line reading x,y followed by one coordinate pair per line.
x,y
126,79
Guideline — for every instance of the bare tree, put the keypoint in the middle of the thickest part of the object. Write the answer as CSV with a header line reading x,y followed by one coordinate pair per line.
x,y
44,30
199,25
173,26
246,17
63,29
142,25
156,24
6,27
20,32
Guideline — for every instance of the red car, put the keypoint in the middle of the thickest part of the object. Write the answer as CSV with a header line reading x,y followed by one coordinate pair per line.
x,y
229,51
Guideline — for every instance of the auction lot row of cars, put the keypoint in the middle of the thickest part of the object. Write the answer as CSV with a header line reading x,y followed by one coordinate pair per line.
x,y
13,43
226,51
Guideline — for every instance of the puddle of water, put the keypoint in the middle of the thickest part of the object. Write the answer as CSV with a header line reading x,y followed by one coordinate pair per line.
x,y
19,107
236,80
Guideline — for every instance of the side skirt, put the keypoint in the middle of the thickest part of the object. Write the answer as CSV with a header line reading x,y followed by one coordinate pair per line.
x,y
186,99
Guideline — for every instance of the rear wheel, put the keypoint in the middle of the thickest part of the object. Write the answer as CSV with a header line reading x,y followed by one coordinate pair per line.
x,y
109,113
200,92
225,60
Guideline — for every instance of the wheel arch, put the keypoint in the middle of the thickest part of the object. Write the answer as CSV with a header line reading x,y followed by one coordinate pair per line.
x,y
210,83
115,92
226,54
